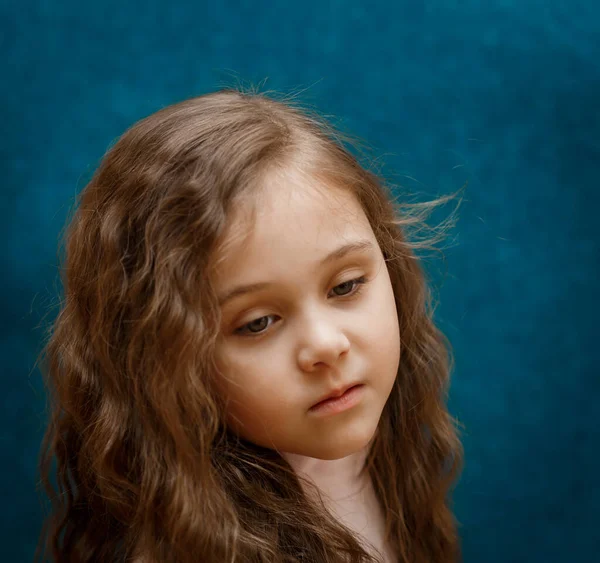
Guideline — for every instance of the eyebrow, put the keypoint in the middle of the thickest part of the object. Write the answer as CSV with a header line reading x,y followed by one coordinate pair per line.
x,y
355,246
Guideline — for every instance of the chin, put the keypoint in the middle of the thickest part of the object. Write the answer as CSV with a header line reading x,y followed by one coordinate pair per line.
x,y
339,447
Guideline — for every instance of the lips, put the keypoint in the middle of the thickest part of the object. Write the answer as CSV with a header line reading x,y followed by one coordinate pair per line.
x,y
335,393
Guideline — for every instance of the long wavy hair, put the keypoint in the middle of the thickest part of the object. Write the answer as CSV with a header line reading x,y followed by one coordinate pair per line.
x,y
146,469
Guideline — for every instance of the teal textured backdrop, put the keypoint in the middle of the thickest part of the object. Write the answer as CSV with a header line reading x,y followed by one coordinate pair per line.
x,y
504,94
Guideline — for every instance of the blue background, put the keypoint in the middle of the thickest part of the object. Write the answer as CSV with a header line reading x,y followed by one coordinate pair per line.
x,y
504,94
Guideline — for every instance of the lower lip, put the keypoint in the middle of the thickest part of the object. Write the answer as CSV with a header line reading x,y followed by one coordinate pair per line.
x,y
349,399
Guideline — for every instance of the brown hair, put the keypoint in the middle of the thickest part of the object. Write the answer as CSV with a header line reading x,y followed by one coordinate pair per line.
x,y
146,469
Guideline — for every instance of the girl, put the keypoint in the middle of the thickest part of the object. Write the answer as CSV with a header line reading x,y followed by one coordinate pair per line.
x,y
230,270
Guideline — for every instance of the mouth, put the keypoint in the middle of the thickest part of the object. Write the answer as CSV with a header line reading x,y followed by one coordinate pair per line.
x,y
337,394
336,403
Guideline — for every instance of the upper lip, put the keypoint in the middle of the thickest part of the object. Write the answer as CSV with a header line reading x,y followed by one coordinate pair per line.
x,y
337,392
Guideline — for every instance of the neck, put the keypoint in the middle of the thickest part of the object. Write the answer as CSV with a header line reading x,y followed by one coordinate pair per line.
x,y
348,493
338,480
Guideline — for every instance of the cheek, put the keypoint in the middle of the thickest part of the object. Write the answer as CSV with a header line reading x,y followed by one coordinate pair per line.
x,y
247,381
256,408
243,408
385,330
382,308
234,384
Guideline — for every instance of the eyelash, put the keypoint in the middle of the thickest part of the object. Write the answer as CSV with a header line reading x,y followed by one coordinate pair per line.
x,y
358,287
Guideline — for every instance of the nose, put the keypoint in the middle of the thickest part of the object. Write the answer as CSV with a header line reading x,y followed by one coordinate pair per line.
x,y
322,342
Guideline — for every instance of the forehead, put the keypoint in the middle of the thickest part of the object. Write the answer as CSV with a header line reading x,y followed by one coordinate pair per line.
x,y
292,216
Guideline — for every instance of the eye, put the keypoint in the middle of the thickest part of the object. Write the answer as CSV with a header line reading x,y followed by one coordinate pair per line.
x,y
257,326
350,285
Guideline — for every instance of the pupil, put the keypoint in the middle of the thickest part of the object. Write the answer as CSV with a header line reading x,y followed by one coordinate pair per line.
x,y
345,284
258,322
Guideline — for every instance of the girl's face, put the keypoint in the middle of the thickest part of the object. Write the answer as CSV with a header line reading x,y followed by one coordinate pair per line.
x,y
307,327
